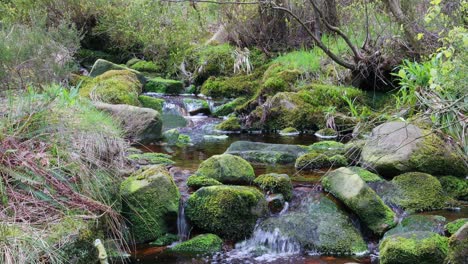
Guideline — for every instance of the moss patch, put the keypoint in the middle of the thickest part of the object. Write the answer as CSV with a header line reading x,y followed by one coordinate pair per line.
x,y
275,183
315,160
196,181
201,244
366,175
230,124
455,187
454,226
228,169
151,102
228,211
145,66
228,108
165,86
151,158
165,240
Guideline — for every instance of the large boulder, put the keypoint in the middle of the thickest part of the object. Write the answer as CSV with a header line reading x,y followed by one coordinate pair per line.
x,y
114,87
101,66
228,211
228,169
420,247
398,147
142,125
275,183
319,225
196,106
458,247
266,153
348,187
201,244
151,203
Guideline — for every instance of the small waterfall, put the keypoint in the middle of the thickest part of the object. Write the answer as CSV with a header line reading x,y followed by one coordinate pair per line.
x,y
183,227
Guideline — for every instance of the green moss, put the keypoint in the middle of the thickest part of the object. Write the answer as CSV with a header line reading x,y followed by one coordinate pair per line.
x,y
349,188
352,150
434,158
289,130
228,108
228,169
222,87
196,106
114,86
326,145
228,211
458,247
151,102
201,244
366,175
165,86
151,158
165,240
413,247
196,181
327,132
132,62
145,66
316,160
430,223
455,187
230,124
418,192
101,66
183,140
275,183
151,202
213,60
454,226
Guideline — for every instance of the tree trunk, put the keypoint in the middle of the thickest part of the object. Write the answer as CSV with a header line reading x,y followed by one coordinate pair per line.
x,y
410,28
331,13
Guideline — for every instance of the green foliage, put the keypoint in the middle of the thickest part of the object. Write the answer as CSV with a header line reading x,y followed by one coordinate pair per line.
x,y
230,124
114,86
166,86
201,244
151,102
275,183
455,225
228,211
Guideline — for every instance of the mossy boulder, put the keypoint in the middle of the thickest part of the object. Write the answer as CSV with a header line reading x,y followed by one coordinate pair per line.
x,y
201,244
228,211
164,86
289,131
266,153
275,183
318,225
455,187
151,158
366,175
398,147
413,247
458,247
101,66
114,87
196,181
144,66
173,138
348,187
196,106
455,225
326,133
151,203
228,108
227,169
223,87
315,161
151,102
328,147
430,223
141,125
415,191
230,124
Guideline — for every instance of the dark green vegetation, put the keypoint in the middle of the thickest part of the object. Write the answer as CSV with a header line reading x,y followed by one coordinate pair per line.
x,y
201,244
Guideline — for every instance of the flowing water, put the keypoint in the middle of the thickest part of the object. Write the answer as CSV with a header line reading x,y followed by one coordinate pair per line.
x,y
264,246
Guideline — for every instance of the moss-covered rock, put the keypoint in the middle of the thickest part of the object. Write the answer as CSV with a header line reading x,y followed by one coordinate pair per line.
x,y
275,183
366,175
266,153
144,66
222,87
289,131
196,181
101,66
455,187
213,60
196,106
417,191
228,108
173,138
349,188
201,244
326,133
165,240
150,158
228,169
352,150
430,223
151,102
228,211
318,225
315,161
328,146
398,147
165,86
458,247
114,87
151,203
455,225
413,247
230,124
141,125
